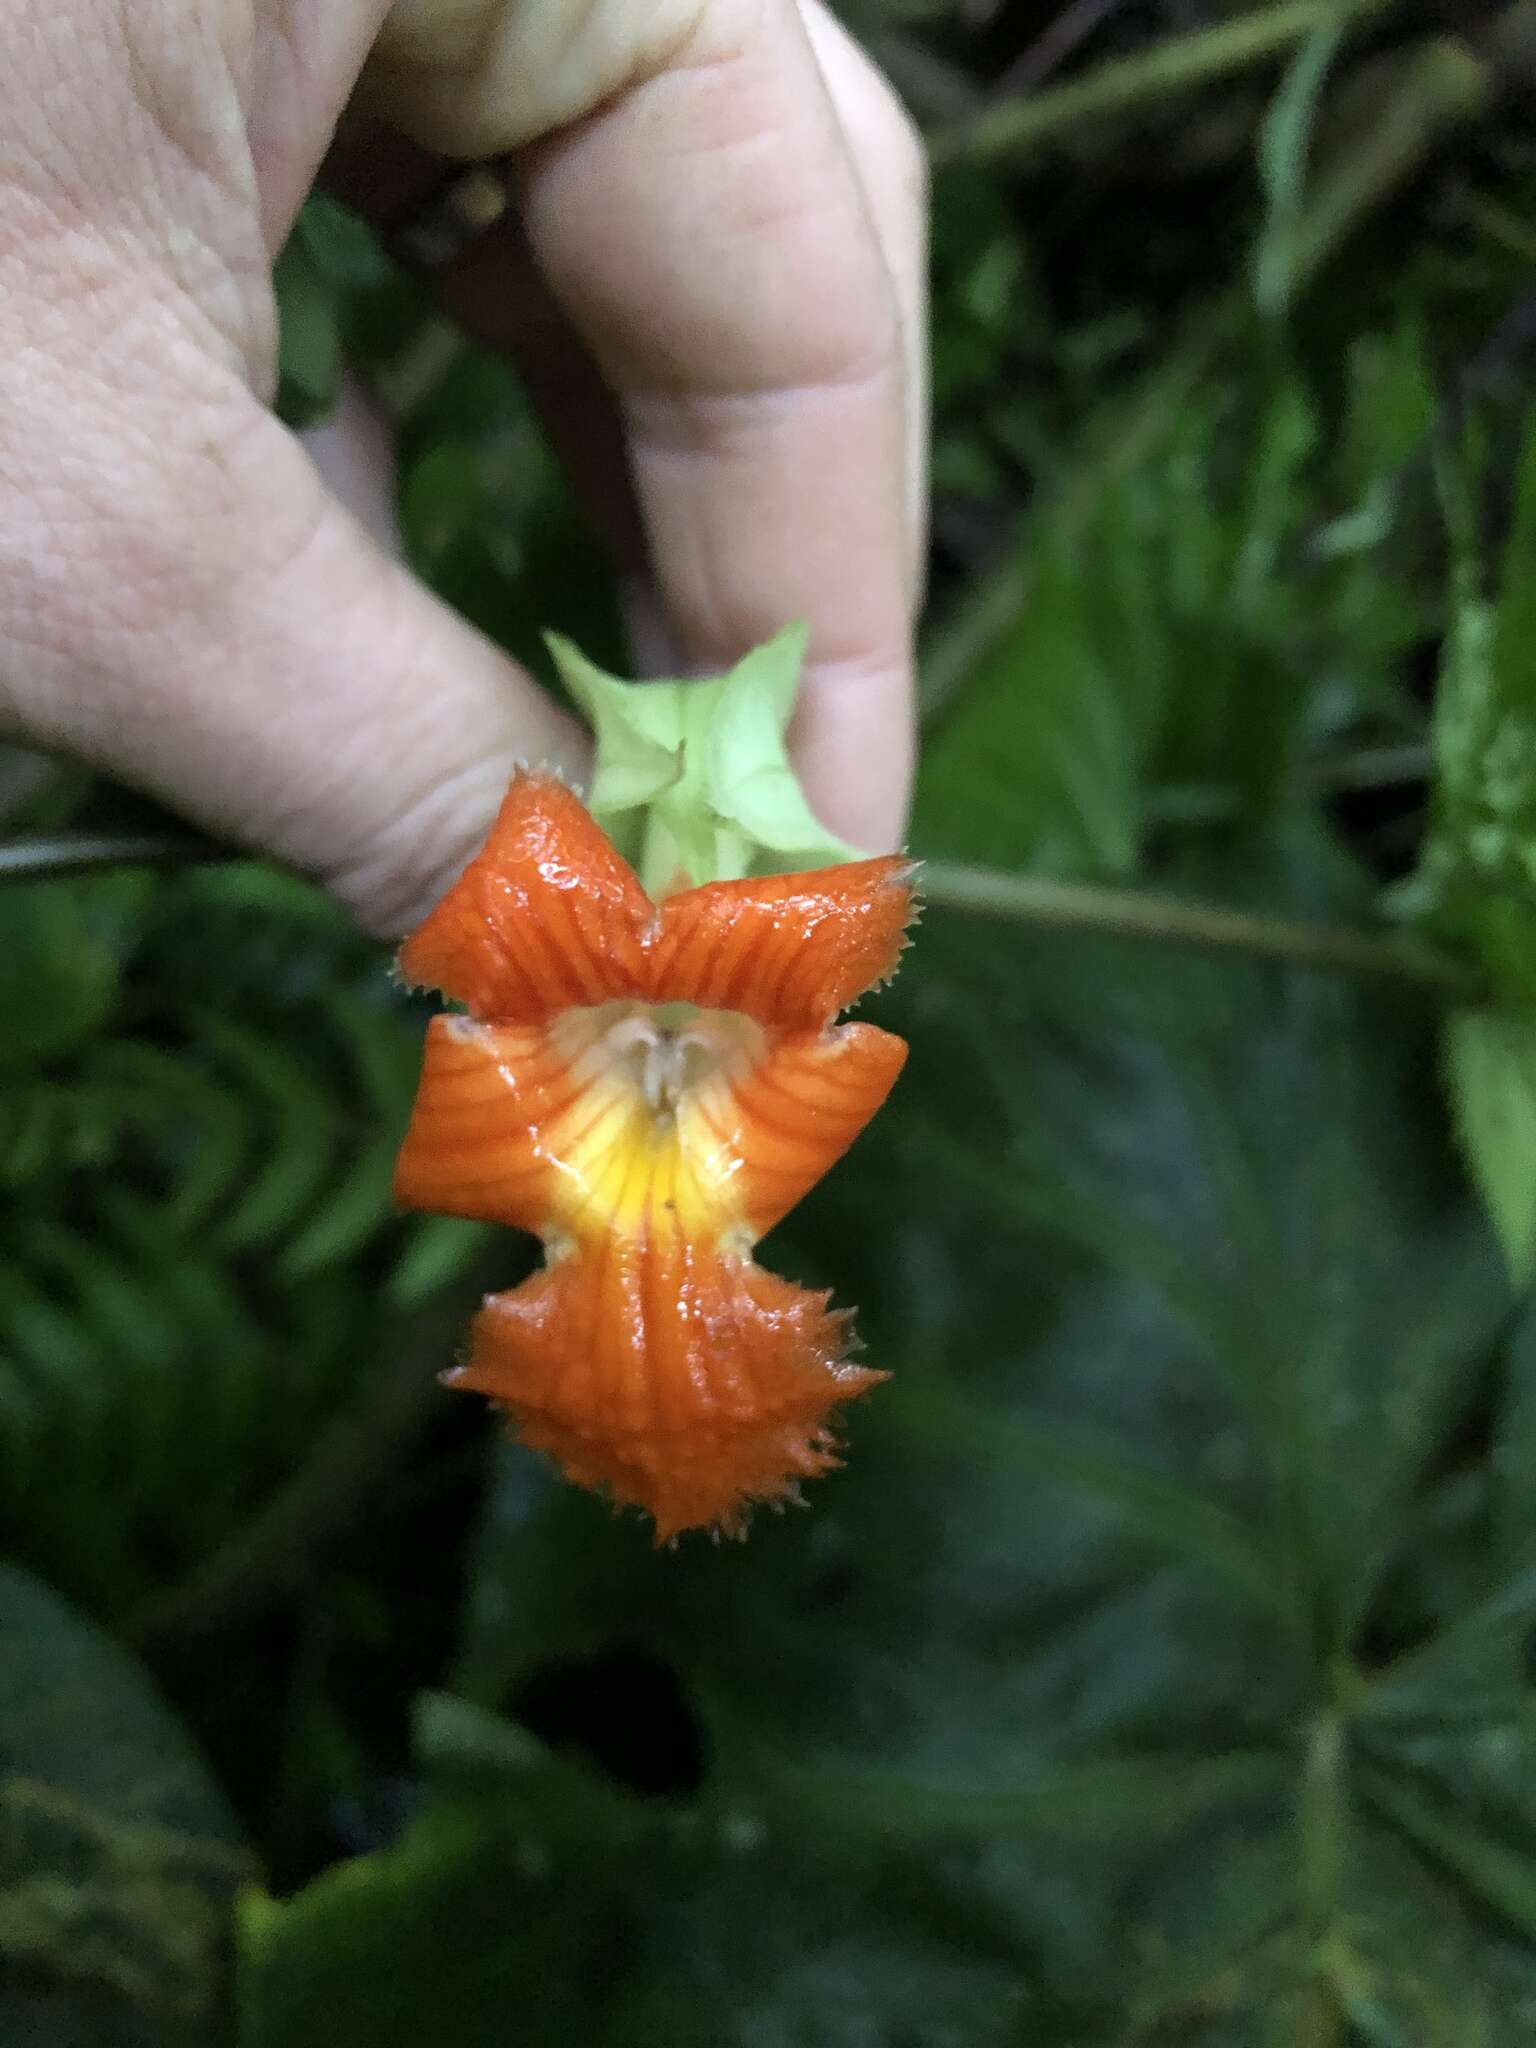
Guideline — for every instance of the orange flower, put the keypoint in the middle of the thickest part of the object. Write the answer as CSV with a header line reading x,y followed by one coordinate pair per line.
x,y
649,1088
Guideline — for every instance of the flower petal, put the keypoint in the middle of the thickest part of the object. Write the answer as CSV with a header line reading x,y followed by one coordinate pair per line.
x,y
487,1096
793,1116
649,1149
789,951
681,1380
546,916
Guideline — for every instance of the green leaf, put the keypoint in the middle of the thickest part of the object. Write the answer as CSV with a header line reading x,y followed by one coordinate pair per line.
x,y
1409,1956
411,1944
202,1129
437,1250
1168,1515
759,1913
1491,1071
1500,1879
1476,881
1513,1460
1515,646
349,1216
1042,758
119,1861
1284,146
1167,649
299,1141
309,338
962,1732
59,970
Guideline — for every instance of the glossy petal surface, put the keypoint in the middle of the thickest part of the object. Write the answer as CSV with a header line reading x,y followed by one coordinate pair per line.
x,y
546,916
649,1090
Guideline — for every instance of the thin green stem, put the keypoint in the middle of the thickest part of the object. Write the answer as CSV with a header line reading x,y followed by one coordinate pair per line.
x,y
1037,900
1322,1827
1384,767
56,854
1052,905
1176,64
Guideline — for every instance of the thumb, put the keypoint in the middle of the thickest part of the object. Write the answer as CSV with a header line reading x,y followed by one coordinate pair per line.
x,y
214,627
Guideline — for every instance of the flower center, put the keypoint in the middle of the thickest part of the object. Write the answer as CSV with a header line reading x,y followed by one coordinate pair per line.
x,y
666,1051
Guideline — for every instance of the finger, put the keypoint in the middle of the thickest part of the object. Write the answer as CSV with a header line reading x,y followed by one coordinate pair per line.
x,y
492,289
210,624
496,293
711,240
486,95
474,77
887,154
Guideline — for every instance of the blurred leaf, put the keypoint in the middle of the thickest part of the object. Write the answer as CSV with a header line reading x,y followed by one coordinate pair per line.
x,y
118,1859
1500,1880
437,1250
1476,882
59,969
1390,406
1491,1068
973,1695
1040,760
1170,1516
1284,146
1513,1460
740,1919
1180,635
309,338
196,1188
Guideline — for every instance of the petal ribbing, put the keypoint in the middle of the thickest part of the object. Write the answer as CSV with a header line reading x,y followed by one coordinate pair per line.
x,y
649,1090
793,1116
546,916
677,1379
789,951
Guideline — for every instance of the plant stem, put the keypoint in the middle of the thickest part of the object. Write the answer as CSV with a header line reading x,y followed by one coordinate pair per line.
x,y
1174,65
1038,900
1051,49
78,853
1052,905
1322,1826
1384,767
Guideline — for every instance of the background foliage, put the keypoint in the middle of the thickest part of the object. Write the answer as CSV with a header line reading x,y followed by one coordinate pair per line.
x,y
1159,1669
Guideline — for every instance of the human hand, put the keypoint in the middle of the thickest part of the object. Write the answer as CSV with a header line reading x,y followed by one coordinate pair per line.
x,y
723,204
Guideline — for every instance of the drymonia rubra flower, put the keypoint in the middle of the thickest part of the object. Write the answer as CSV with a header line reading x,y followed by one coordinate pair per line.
x,y
648,1087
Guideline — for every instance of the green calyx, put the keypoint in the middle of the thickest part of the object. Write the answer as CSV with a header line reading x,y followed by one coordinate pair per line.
x,y
691,777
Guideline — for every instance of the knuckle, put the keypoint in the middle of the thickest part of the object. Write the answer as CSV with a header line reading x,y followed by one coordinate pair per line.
x,y
127,525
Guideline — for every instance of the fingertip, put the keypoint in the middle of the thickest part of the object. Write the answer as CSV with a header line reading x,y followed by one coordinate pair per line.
x,y
853,745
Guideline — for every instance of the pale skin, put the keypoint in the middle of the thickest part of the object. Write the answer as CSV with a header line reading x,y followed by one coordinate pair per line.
x,y
717,272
